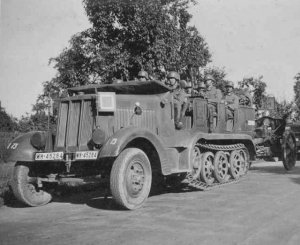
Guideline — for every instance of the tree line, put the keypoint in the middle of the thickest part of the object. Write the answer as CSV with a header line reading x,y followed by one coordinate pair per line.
x,y
127,36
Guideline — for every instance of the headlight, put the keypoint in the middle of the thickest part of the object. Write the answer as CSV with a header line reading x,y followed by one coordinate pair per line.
x,y
38,140
98,136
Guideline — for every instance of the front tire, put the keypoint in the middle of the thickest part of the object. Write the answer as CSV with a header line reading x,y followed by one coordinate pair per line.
x,y
25,190
131,178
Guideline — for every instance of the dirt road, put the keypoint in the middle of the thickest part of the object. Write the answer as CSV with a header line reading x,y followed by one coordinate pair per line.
x,y
263,208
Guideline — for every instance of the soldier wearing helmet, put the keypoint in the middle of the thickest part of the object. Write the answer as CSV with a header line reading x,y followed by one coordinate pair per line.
x,y
179,97
201,91
231,103
188,87
213,95
172,80
245,96
211,91
143,76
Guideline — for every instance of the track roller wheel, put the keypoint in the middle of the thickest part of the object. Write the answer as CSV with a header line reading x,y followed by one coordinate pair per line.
x,y
221,166
246,163
207,168
196,163
238,163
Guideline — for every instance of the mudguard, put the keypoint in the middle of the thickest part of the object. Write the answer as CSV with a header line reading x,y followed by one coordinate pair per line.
x,y
20,149
117,142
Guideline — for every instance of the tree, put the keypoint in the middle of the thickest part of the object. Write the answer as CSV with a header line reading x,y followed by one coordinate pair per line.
x,y
257,87
6,122
283,109
40,118
297,95
127,36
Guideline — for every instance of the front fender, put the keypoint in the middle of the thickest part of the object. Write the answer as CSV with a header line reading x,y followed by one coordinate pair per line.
x,y
20,149
117,142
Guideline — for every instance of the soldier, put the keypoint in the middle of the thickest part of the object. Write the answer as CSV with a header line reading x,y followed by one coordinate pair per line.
x,y
183,84
211,91
231,103
213,95
179,96
245,97
187,86
143,76
200,91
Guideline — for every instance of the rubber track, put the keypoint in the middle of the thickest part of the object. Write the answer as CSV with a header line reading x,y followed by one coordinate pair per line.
x,y
202,186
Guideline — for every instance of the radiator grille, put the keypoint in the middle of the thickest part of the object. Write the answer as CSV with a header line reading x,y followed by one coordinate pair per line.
x,y
75,125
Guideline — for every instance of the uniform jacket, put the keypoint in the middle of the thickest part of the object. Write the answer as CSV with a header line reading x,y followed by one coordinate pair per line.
x,y
214,94
180,96
232,101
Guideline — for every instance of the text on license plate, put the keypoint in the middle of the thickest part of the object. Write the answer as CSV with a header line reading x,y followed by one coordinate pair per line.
x,y
49,156
80,155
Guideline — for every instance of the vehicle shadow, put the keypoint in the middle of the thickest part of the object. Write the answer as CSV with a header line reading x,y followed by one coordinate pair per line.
x,y
277,169
101,198
98,198
296,180
95,197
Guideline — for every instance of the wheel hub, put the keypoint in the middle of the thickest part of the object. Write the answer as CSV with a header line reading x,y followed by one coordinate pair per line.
x,y
135,180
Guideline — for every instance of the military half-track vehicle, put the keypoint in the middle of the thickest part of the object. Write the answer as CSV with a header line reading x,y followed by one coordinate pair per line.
x,y
125,133
275,138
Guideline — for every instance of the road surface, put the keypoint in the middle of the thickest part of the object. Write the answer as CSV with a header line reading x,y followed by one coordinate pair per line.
x,y
263,208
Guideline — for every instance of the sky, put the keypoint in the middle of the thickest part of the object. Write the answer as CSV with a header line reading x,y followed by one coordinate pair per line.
x,y
246,37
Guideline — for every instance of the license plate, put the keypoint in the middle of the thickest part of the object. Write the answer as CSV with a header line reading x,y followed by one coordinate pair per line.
x,y
82,155
49,156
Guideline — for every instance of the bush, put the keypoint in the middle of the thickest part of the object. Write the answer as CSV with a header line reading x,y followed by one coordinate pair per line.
x,y
6,170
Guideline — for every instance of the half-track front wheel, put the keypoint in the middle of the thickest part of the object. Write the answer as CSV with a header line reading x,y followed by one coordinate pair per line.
x,y
130,178
289,151
207,168
221,166
25,189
